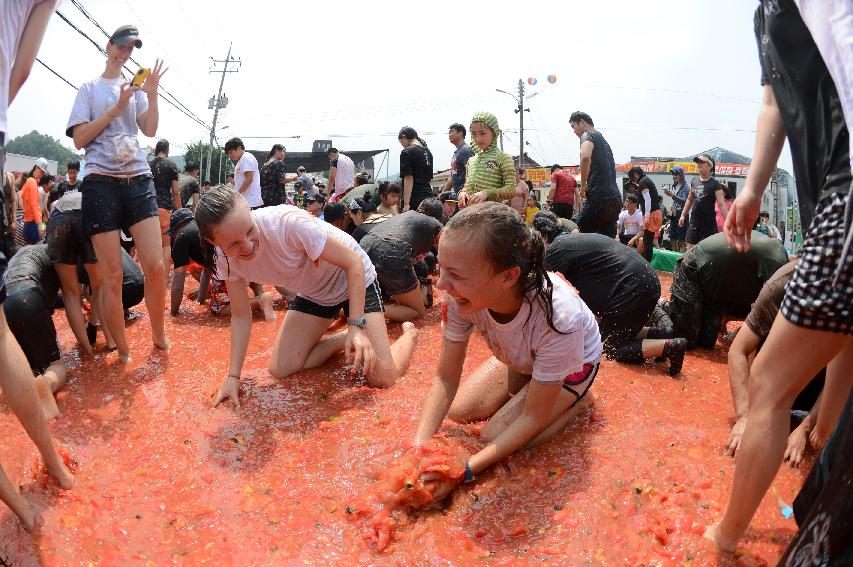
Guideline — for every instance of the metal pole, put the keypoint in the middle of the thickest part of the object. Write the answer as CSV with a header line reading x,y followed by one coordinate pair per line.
x,y
521,124
216,113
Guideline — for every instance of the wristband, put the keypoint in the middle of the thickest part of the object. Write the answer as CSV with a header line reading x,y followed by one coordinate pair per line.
x,y
469,475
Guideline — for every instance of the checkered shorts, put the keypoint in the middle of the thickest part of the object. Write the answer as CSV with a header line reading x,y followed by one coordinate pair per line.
x,y
814,298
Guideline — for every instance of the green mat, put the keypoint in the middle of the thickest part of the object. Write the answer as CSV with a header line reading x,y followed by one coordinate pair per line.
x,y
664,260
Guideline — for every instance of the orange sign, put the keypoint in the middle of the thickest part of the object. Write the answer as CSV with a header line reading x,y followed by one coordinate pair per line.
x,y
539,174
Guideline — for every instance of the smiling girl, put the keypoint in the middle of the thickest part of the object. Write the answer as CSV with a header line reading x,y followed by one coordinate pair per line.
x,y
544,338
286,247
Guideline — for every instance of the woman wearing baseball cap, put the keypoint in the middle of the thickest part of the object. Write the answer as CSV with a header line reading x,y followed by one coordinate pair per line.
x,y
705,191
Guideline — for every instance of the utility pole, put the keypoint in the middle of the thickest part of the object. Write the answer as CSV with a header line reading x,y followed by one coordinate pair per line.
x,y
520,124
218,102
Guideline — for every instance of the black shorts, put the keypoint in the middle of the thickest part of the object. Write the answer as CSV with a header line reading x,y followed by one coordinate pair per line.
x,y
30,319
393,261
600,216
113,203
372,304
622,327
67,242
700,229
563,210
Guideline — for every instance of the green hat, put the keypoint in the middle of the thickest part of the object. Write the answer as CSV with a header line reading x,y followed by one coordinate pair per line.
x,y
489,120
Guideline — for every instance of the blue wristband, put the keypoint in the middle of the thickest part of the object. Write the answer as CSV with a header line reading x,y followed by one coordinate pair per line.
x,y
469,475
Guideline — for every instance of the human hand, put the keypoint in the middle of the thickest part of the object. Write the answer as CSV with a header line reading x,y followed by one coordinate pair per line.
x,y
796,446
478,197
126,91
462,199
681,222
359,350
230,390
151,83
441,485
741,218
735,437
641,245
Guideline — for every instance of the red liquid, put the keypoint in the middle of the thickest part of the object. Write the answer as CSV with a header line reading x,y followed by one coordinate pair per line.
x,y
163,478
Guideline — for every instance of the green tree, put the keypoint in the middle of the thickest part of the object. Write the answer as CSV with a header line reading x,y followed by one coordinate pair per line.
x,y
220,164
41,145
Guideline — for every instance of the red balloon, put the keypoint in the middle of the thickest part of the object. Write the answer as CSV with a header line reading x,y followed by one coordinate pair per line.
x,y
531,81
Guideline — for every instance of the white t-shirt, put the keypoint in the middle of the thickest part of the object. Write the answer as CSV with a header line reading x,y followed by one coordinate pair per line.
x,y
290,241
115,151
529,345
831,26
344,174
632,223
253,193
13,18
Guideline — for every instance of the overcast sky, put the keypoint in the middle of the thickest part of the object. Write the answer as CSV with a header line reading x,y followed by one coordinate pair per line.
x,y
665,78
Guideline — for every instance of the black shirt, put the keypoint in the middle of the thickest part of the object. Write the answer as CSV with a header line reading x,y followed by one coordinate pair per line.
x,y
417,161
189,187
646,183
272,191
33,263
60,190
601,182
808,102
416,231
368,225
703,212
734,279
164,171
187,246
608,275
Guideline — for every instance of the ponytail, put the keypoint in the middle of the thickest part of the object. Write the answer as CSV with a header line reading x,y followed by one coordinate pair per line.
x,y
422,142
212,208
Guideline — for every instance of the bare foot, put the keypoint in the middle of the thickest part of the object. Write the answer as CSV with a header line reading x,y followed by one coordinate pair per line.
x,y
714,533
409,328
162,343
28,517
46,399
124,358
265,300
61,473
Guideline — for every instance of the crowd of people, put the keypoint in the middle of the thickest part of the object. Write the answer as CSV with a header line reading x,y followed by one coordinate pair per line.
x,y
553,287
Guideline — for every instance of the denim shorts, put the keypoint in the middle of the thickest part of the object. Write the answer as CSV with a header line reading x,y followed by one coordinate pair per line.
x,y
67,242
372,304
113,203
31,232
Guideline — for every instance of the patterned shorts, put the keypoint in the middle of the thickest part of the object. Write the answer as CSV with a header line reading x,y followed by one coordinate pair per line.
x,y
814,298
218,293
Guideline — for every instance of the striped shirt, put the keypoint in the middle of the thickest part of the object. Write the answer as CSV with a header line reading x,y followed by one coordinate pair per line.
x,y
491,171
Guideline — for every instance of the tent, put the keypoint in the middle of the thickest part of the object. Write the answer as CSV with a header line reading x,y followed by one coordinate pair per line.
x,y
316,162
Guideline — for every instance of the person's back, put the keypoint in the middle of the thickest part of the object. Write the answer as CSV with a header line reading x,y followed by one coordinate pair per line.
x,y
565,185
601,182
412,229
30,266
345,174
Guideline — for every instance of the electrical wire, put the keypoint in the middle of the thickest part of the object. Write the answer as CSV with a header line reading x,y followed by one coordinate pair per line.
x,y
46,66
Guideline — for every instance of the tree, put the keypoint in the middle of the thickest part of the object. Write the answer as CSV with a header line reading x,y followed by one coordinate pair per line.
x,y
220,164
41,145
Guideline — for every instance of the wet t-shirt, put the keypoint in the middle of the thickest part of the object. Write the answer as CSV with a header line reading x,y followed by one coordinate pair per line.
x,y
369,224
704,194
527,344
115,151
417,161
808,102
291,241
33,263
412,230
601,182
766,307
69,203
187,246
189,187
165,171
609,276
272,191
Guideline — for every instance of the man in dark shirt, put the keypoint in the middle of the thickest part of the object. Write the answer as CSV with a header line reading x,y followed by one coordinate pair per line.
x,y
598,179
188,181
712,282
71,183
801,101
458,163
168,192
394,246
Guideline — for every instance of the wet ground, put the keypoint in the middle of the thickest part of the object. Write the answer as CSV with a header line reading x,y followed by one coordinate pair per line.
x,y
165,480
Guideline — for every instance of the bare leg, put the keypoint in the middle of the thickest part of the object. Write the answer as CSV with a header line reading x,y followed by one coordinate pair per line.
x,y
776,378
47,384
488,389
97,285
839,379
146,234
108,251
298,344
409,306
16,502
392,361
19,388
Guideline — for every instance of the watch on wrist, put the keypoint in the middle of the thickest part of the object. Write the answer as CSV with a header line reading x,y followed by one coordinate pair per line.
x,y
360,322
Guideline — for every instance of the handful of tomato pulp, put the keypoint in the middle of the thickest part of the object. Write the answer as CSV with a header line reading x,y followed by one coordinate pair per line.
x,y
407,483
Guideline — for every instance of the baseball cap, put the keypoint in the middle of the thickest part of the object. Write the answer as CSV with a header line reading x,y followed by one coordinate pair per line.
x,y
297,185
179,217
41,163
318,198
126,34
706,159
449,196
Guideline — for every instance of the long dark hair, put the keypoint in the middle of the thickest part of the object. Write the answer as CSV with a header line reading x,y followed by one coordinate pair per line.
x,y
367,203
275,148
547,224
212,208
410,134
506,242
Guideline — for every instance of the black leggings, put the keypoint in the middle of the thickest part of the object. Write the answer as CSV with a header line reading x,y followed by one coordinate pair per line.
x,y
648,245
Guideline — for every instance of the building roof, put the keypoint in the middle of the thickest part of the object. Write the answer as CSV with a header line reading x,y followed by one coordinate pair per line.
x,y
528,161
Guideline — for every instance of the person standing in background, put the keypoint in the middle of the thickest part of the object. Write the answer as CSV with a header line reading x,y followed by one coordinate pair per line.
x,y
680,191
705,191
168,191
188,181
71,183
519,198
598,178
247,177
307,182
341,173
563,193
31,201
415,169
459,162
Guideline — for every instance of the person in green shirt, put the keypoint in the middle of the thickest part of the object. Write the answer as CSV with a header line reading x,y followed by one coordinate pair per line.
x,y
490,174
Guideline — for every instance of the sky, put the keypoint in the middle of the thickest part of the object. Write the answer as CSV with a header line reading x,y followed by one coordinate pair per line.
x,y
664,78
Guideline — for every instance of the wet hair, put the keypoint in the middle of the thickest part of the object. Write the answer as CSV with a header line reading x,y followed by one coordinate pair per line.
x,y
577,116
46,179
275,148
632,199
331,151
334,212
162,147
520,171
459,128
206,183
73,164
548,225
529,184
213,206
410,134
387,187
190,167
555,167
505,242
638,170
361,179
432,207
233,144
367,203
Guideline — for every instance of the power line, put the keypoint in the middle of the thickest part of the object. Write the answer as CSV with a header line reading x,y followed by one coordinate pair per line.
x,y
45,65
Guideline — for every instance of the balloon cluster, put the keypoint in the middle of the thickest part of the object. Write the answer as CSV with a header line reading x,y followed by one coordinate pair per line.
x,y
551,79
